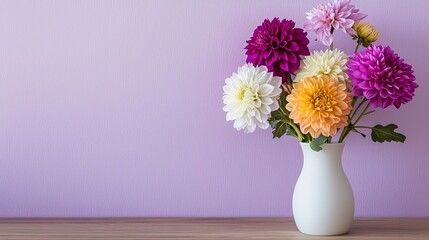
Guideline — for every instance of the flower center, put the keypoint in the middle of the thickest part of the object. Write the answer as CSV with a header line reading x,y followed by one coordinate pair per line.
x,y
321,100
242,94
325,71
274,42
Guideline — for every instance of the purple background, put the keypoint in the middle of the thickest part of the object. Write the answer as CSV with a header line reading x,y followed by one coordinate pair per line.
x,y
114,108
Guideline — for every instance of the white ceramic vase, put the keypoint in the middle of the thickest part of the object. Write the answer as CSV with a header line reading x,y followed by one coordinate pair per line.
x,y
323,201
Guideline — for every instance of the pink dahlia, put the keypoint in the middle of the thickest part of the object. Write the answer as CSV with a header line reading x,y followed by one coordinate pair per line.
x,y
277,45
379,74
324,18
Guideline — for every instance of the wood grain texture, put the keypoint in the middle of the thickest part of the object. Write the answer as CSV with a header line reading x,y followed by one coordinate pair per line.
x,y
201,228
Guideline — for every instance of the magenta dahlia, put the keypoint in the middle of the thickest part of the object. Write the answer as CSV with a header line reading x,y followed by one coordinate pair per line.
x,y
381,76
277,45
339,14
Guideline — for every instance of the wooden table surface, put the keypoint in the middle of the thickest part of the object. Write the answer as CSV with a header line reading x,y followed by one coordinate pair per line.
x,y
202,228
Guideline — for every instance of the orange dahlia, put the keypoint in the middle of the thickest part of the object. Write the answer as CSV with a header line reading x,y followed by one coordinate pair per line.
x,y
319,105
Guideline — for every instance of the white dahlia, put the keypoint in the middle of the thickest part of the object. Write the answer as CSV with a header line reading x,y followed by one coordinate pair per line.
x,y
328,63
250,95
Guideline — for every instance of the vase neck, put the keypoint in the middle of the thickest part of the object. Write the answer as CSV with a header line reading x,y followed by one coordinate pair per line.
x,y
329,155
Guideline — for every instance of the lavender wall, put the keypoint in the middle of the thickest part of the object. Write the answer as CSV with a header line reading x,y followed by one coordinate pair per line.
x,y
113,108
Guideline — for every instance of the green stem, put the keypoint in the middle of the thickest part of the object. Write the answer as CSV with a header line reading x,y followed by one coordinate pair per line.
x,y
357,47
293,125
298,132
363,127
356,110
354,101
361,115
287,87
343,134
289,78
281,110
352,104
331,47
350,118
349,127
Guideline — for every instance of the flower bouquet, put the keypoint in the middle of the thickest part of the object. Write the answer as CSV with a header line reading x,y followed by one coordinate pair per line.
x,y
318,97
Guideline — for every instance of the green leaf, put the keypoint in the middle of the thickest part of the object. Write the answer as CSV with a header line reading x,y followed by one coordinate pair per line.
x,y
386,133
279,129
282,101
315,144
273,123
290,131
279,120
280,126
276,115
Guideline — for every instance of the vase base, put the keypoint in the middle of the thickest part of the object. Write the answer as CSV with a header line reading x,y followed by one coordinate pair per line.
x,y
324,233
323,230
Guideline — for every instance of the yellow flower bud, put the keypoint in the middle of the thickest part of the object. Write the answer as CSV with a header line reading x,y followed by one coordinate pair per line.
x,y
366,32
355,25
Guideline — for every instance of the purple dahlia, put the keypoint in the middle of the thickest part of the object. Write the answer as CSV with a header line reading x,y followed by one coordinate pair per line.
x,y
381,76
277,45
